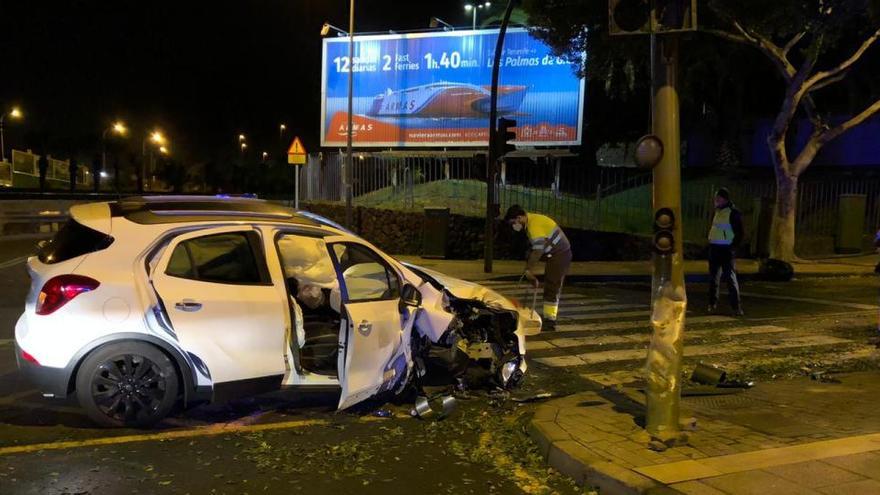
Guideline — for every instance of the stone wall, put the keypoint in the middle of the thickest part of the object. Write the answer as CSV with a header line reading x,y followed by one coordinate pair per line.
x,y
401,232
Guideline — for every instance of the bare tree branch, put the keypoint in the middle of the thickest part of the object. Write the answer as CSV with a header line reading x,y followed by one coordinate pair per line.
x,y
792,42
828,82
779,57
836,131
728,36
822,76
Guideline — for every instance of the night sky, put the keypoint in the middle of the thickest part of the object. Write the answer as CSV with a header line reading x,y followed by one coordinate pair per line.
x,y
200,71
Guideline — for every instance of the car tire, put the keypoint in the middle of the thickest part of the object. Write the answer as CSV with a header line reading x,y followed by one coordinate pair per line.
x,y
127,384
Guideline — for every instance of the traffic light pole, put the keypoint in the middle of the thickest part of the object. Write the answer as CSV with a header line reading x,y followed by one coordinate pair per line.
x,y
492,158
669,299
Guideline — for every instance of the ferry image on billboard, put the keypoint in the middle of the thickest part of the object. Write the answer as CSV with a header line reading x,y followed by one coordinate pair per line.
x,y
446,100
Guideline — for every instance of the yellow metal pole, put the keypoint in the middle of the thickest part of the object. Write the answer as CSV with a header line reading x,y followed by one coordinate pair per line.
x,y
669,299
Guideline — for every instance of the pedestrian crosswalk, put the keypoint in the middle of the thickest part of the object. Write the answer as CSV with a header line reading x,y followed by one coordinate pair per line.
x,y
608,336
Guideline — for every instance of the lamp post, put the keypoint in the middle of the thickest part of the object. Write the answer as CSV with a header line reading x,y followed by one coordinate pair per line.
x,y
15,113
157,139
473,9
281,129
348,155
117,128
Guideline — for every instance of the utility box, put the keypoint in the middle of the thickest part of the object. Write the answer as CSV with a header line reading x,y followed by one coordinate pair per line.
x,y
762,222
850,223
435,233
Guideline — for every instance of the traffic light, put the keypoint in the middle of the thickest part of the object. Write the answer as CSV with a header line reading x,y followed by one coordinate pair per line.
x,y
669,16
664,231
503,137
629,17
651,16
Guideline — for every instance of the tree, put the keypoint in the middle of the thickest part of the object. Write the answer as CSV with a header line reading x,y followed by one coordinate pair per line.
x,y
819,27
797,36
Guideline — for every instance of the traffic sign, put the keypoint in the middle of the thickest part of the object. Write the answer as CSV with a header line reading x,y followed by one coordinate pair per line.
x,y
296,154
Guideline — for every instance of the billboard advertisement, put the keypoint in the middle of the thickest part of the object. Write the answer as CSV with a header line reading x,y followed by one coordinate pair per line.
x,y
432,90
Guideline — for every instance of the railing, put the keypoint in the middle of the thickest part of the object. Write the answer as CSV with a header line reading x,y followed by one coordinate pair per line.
x,y
614,199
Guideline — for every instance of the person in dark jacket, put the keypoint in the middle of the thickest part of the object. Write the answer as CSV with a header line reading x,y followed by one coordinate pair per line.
x,y
724,236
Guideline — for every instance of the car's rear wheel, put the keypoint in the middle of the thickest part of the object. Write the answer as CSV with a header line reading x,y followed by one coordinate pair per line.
x,y
127,384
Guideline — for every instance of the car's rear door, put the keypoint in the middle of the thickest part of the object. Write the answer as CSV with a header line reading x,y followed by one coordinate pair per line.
x,y
371,334
219,297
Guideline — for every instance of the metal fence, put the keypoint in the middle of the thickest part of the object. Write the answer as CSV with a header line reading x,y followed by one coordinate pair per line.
x,y
614,199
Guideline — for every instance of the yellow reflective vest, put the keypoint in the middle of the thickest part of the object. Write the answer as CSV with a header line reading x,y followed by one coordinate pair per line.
x,y
545,237
721,233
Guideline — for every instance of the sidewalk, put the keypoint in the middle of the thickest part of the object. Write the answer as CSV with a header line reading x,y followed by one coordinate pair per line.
x,y
798,436
640,270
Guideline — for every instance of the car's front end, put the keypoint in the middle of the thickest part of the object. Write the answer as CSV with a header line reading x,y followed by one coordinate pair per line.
x,y
469,324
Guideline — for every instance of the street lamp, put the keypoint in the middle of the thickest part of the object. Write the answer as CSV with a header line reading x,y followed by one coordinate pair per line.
x,y
265,155
241,138
281,129
117,128
437,22
473,8
349,219
325,30
159,141
16,114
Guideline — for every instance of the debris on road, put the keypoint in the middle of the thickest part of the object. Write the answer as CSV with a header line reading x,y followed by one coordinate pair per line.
x,y
533,398
708,374
423,408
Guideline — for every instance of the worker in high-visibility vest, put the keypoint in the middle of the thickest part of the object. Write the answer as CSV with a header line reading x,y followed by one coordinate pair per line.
x,y
547,242
724,237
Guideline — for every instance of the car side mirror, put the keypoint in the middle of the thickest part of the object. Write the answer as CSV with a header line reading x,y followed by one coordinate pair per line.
x,y
410,296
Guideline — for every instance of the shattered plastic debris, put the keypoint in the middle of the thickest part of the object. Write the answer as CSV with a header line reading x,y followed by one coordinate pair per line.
x,y
383,413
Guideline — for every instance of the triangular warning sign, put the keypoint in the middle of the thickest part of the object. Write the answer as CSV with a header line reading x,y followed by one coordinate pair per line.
x,y
296,148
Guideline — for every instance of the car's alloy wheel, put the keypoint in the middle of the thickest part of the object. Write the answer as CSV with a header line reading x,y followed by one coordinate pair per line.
x,y
128,384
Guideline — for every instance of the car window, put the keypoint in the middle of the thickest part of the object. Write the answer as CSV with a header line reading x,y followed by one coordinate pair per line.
x,y
222,258
367,277
73,239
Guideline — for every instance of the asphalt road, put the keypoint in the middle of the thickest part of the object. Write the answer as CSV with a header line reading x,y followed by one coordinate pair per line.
x,y
291,442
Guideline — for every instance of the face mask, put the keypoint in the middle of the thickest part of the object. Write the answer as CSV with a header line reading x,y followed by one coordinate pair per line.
x,y
517,227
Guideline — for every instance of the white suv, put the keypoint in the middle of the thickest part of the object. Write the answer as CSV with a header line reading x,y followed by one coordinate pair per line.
x,y
139,304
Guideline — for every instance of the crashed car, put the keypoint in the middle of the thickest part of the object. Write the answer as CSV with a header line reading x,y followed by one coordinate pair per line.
x,y
141,304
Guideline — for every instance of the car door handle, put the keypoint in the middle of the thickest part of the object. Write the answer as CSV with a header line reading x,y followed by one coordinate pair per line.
x,y
188,305
365,328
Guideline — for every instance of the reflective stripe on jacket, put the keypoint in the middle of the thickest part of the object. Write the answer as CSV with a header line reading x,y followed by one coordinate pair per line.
x,y
722,233
545,235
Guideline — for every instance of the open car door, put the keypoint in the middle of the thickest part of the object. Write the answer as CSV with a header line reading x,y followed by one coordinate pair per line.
x,y
371,328
218,295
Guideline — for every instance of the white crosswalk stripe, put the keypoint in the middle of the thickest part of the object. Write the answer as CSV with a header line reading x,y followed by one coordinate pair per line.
x,y
567,342
626,355
633,325
608,337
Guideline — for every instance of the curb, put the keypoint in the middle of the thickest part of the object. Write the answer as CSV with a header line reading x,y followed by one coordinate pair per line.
x,y
692,278
572,459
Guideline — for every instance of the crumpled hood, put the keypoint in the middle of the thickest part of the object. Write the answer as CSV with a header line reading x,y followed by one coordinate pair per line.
x,y
529,321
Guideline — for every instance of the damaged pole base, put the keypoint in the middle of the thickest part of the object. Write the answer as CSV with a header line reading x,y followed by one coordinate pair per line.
x,y
679,439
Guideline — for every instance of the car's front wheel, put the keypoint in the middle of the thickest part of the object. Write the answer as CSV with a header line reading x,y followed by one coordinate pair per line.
x,y
127,384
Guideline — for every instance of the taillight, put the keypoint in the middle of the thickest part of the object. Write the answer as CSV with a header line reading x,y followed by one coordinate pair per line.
x,y
27,357
59,290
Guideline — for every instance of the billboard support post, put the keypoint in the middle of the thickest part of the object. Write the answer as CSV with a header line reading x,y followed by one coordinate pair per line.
x,y
348,157
492,159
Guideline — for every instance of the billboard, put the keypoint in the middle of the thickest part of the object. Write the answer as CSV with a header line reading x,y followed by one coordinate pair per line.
x,y
432,90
